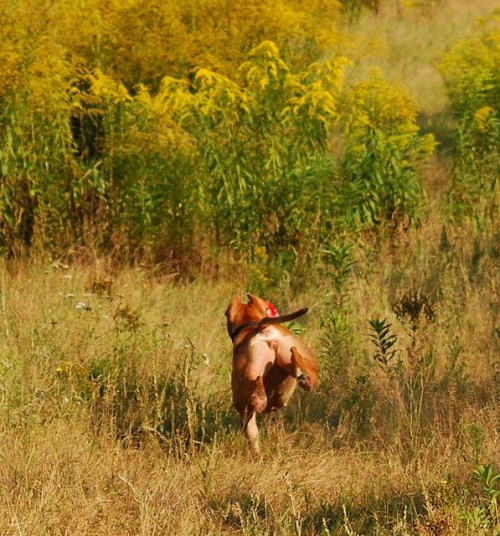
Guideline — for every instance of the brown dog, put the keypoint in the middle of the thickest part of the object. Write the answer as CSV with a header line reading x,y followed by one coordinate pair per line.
x,y
268,361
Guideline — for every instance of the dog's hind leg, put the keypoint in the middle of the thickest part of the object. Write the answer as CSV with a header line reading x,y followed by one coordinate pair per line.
x,y
258,398
306,376
303,368
256,403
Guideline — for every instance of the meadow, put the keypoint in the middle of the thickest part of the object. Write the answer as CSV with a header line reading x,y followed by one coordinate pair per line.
x,y
154,163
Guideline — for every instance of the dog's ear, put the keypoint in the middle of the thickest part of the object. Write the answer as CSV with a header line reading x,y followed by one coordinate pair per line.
x,y
233,307
268,308
257,302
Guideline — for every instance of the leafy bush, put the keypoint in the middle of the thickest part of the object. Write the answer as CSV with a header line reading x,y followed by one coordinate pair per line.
x,y
265,149
204,141
223,146
470,70
382,153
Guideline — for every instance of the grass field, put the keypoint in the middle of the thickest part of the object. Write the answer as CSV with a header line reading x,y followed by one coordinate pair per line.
x,y
115,403
116,413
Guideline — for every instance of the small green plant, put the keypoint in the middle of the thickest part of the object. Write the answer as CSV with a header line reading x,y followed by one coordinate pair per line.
x,y
475,437
385,345
490,480
491,488
337,265
338,262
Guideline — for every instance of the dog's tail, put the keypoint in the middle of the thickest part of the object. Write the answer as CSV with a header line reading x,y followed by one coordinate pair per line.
x,y
266,321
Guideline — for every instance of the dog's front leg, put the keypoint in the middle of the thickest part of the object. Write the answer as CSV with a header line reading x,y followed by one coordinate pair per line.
x,y
252,432
257,403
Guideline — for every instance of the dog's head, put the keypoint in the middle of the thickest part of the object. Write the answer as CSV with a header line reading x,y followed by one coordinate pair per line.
x,y
256,309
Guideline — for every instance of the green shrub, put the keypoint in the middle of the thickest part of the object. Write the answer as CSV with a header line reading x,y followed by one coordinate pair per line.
x,y
382,153
471,70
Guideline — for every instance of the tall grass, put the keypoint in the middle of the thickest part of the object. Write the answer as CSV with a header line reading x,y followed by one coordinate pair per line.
x,y
116,405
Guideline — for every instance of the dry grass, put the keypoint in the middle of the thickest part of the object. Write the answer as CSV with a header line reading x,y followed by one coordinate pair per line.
x,y
116,416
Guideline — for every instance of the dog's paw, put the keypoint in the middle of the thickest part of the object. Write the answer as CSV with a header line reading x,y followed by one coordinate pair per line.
x,y
305,382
